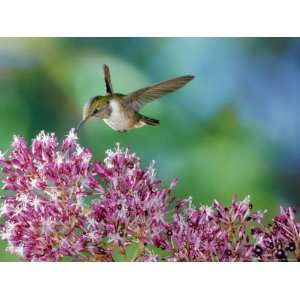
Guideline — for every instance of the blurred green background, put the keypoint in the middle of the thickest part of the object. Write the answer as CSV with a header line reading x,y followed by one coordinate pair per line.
x,y
234,129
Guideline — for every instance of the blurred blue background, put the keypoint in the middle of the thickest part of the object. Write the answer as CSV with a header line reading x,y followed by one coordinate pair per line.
x,y
233,129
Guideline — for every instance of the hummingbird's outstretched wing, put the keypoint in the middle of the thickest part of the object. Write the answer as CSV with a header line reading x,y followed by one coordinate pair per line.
x,y
145,95
108,84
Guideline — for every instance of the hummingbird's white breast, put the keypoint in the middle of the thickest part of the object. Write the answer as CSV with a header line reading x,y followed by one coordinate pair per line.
x,y
118,119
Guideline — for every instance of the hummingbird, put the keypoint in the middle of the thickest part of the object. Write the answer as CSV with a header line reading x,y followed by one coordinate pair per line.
x,y
122,112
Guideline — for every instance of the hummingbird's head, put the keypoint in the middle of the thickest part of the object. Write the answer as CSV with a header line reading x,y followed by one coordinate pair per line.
x,y
96,107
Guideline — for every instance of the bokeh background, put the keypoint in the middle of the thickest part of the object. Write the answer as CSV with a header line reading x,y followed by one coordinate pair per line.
x,y
233,129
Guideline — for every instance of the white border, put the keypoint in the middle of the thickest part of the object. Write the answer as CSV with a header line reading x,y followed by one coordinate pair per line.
x,y
149,18
149,281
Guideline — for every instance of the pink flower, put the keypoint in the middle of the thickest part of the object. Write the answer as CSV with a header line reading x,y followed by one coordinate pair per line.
x,y
60,203
44,217
212,233
281,239
133,204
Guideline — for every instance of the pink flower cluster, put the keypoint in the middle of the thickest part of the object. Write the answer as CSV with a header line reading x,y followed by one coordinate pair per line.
x,y
58,204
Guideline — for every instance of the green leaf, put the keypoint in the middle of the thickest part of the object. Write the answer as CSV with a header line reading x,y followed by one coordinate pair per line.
x,y
130,252
159,251
117,256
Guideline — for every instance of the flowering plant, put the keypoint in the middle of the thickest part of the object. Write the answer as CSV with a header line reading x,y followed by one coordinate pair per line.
x,y
59,203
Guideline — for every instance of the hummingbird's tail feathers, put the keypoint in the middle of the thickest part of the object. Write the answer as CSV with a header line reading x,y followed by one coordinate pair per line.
x,y
149,121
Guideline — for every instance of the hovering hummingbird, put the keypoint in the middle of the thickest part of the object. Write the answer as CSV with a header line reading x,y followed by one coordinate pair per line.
x,y
121,112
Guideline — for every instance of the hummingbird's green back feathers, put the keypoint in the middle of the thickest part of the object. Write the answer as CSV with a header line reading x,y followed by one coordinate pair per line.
x,y
145,95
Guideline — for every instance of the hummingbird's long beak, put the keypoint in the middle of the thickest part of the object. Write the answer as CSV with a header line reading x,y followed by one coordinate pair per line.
x,y
81,123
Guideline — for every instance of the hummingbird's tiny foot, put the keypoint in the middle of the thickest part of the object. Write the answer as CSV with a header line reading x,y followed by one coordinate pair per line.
x,y
122,131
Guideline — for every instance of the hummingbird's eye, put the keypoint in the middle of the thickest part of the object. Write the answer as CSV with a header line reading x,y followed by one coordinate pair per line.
x,y
96,110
